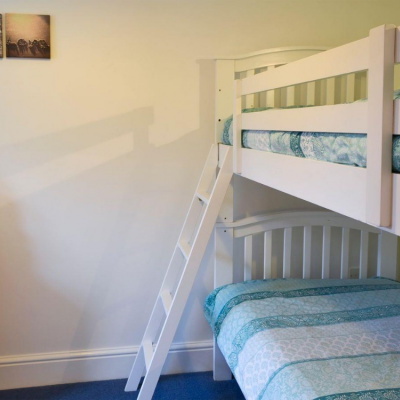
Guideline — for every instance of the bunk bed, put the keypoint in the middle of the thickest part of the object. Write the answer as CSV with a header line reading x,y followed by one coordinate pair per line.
x,y
320,97
305,330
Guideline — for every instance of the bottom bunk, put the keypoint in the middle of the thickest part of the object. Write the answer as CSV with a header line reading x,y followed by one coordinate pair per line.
x,y
307,331
310,339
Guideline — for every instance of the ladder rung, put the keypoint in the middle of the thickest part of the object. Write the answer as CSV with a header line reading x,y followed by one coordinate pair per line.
x,y
203,196
148,352
166,299
185,248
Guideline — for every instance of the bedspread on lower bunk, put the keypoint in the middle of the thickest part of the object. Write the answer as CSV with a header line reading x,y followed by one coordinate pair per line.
x,y
349,149
310,339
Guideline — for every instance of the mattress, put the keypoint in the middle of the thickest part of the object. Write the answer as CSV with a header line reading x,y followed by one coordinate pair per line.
x,y
310,339
344,148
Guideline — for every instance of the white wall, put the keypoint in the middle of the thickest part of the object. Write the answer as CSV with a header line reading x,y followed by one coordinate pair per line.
x,y
100,150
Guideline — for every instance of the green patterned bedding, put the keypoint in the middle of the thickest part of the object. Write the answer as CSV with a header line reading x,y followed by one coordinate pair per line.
x,y
347,148
310,339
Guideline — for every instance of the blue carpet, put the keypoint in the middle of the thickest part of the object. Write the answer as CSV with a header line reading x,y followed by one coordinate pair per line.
x,y
195,386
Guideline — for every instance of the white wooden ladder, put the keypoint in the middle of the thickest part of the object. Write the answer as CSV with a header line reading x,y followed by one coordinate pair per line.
x,y
181,273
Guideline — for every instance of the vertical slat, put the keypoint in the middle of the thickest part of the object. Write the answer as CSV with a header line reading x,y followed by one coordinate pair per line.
x,y
249,100
326,251
350,87
341,90
290,96
330,91
380,126
303,94
363,255
237,127
248,258
287,252
310,94
268,255
344,262
272,95
307,253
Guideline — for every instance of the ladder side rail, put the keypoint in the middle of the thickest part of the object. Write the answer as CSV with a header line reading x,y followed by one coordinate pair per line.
x,y
187,279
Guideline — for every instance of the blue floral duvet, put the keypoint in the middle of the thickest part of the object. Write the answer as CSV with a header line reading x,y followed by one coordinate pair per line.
x,y
310,339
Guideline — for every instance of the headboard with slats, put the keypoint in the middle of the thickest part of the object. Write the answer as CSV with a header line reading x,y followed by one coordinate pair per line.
x,y
316,232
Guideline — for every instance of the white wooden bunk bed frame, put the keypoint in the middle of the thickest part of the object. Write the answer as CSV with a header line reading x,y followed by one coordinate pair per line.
x,y
358,247
370,196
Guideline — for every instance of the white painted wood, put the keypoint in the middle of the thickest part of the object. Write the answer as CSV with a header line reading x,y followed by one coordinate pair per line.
x,y
166,300
271,97
148,352
307,252
346,118
395,227
266,224
343,192
350,87
267,254
203,233
363,266
344,260
224,76
330,91
248,258
291,99
62,367
311,94
326,251
380,126
223,275
249,101
275,56
287,252
237,127
203,196
387,255
185,248
352,56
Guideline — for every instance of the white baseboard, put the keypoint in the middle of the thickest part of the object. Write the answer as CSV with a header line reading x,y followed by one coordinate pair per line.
x,y
100,364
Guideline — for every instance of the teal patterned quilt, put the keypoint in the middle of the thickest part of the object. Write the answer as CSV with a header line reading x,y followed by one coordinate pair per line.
x,y
346,148
310,339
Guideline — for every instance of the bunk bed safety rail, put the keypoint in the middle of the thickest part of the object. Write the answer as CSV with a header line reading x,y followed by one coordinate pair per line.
x,y
374,54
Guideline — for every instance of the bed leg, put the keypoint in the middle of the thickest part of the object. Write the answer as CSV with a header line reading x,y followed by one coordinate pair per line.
x,y
221,369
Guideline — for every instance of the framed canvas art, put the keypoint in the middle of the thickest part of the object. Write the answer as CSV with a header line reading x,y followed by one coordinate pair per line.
x,y
28,36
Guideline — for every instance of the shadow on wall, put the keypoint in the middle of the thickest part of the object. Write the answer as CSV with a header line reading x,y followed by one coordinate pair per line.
x,y
88,218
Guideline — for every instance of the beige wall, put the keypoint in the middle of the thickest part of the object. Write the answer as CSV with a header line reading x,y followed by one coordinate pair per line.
x,y
100,150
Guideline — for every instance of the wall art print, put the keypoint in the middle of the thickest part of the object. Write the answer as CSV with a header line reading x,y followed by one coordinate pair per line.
x,y
1,36
27,35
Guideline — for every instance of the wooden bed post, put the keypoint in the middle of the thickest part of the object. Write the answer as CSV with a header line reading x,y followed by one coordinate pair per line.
x,y
380,125
223,274
237,127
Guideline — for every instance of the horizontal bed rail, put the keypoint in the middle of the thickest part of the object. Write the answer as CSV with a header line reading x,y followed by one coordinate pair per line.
x,y
353,57
376,54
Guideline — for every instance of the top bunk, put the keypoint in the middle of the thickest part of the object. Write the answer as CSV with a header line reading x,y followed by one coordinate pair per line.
x,y
280,106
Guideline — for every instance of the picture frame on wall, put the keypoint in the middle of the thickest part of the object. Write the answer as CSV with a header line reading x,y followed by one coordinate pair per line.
x,y
27,36
1,36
